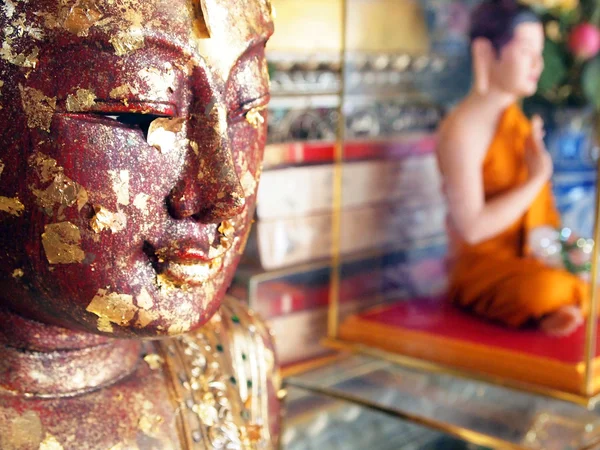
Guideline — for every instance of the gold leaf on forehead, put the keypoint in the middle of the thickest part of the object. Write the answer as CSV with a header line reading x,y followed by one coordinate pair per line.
x,y
19,59
159,81
116,308
83,100
120,180
38,108
11,206
107,220
50,443
61,243
81,17
122,91
126,42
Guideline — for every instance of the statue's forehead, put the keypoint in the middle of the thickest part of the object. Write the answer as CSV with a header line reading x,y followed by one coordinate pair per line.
x,y
216,30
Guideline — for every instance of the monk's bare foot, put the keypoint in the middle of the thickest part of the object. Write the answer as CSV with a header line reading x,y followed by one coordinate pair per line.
x,y
562,322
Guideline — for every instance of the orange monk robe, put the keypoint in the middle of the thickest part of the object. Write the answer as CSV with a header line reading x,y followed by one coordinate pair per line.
x,y
496,279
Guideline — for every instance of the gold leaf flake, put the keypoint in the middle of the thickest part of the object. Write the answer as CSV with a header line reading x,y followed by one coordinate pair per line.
x,y
145,314
83,100
158,81
254,116
62,191
46,167
180,327
141,202
162,133
227,228
149,424
116,308
9,8
81,18
104,325
61,243
120,180
144,300
154,361
50,443
11,206
26,431
19,59
122,91
18,273
128,41
146,317
249,183
1,167
39,108
107,220
82,198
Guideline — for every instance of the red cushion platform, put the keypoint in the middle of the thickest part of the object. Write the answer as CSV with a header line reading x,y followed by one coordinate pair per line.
x,y
432,329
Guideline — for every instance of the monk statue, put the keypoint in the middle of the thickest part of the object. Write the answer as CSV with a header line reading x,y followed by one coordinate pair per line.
x,y
496,173
132,138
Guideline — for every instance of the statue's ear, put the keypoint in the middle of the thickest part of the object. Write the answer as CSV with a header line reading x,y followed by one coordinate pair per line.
x,y
483,54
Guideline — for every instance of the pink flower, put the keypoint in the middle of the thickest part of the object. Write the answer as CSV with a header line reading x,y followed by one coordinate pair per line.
x,y
584,41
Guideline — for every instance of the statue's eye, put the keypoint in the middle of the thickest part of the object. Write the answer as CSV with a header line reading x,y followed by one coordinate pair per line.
x,y
245,107
136,120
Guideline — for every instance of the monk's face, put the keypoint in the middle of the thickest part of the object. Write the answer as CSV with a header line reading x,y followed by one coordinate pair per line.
x,y
521,62
132,136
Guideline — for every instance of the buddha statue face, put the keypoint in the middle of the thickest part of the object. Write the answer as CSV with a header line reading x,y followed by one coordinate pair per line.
x,y
132,137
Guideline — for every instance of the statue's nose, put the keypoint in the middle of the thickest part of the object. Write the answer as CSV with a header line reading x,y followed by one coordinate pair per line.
x,y
209,188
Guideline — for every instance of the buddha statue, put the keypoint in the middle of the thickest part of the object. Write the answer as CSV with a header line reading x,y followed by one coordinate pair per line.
x,y
132,138
496,173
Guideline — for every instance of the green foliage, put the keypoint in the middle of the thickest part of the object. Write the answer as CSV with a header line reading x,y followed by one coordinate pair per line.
x,y
555,69
566,80
590,82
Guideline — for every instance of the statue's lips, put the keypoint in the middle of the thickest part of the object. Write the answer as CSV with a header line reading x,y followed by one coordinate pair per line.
x,y
189,266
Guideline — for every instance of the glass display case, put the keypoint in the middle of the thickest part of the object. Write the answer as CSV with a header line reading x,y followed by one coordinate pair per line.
x,y
359,225
409,79
463,410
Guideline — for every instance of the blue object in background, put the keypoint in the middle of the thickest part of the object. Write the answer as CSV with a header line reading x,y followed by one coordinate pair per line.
x,y
570,141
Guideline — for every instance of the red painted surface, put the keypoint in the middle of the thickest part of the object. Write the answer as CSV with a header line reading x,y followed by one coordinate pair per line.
x,y
441,319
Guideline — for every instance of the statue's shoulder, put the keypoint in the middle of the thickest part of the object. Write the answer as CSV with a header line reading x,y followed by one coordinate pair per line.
x,y
230,363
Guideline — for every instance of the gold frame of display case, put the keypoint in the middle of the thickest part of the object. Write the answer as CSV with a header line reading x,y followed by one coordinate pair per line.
x,y
584,386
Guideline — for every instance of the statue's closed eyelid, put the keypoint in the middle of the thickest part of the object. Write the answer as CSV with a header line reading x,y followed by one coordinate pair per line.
x,y
116,108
